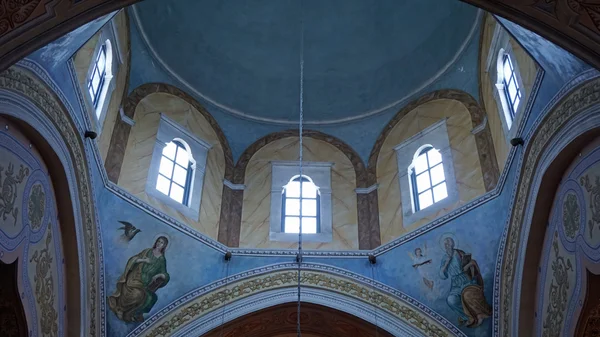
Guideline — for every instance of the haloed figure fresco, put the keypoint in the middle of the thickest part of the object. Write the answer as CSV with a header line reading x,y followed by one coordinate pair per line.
x,y
136,288
466,296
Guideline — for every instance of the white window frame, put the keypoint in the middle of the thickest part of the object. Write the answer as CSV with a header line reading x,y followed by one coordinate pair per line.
x,y
320,174
169,130
499,47
436,136
114,59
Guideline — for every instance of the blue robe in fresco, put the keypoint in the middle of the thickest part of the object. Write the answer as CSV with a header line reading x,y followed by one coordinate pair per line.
x,y
466,296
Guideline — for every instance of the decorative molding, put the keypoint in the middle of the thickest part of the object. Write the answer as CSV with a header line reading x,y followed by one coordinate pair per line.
x,y
508,270
125,118
481,127
366,190
65,141
241,114
339,284
235,187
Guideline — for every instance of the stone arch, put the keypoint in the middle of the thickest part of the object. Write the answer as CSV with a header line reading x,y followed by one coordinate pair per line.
x,y
44,120
258,289
121,131
359,166
572,122
481,131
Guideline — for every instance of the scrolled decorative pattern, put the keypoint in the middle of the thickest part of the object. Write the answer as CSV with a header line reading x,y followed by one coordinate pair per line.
x,y
594,207
557,293
211,297
14,12
36,206
577,101
571,215
23,83
8,194
44,288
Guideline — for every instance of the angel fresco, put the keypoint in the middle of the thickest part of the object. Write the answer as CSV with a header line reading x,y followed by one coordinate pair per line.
x,y
466,296
144,274
422,263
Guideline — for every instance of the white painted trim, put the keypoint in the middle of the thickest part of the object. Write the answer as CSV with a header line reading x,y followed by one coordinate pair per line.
x,y
366,190
435,135
168,130
126,119
320,174
238,113
235,187
480,127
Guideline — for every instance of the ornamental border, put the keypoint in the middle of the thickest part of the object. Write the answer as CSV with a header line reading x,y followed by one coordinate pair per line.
x,y
293,267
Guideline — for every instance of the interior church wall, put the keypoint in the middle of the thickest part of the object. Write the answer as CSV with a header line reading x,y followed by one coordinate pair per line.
x,y
527,69
570,252
465,159
82,61
140,146
255,226
30,236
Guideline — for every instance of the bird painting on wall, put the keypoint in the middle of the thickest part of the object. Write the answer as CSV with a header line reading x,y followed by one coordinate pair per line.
x,y
129,231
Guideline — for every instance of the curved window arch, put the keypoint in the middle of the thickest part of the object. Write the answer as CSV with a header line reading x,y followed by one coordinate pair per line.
x,y
428,181
292,214
175,171
508,85
100,77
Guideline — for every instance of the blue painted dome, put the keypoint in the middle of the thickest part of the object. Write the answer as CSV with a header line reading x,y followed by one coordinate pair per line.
x,y
360,56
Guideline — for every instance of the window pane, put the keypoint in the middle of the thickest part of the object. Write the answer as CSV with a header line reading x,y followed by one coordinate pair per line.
x,y
423,182
182,157
95,81
437,174
435,157
162,184
291,225
309,225
507,71
516,103
421,164
512,90
440,192
92,92
309,207
180,175
101,61
292,206
176,193
166,167
425,200
309,190
169,151
292,190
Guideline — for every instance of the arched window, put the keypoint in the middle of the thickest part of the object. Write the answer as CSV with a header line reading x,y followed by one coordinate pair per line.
x,y
310,199
508,84
175,172
428,181
100,77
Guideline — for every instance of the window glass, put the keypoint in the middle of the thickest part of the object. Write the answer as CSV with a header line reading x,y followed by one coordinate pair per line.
x,y
292,215
511,86
428,178
97,77
174,173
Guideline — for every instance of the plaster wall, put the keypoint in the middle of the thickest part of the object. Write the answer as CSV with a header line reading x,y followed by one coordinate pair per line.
x,y
467,168
527,69
82,61
257,194
30,235
138,155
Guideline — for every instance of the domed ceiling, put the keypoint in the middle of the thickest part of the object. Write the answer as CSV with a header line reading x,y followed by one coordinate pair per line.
x,y
361,57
